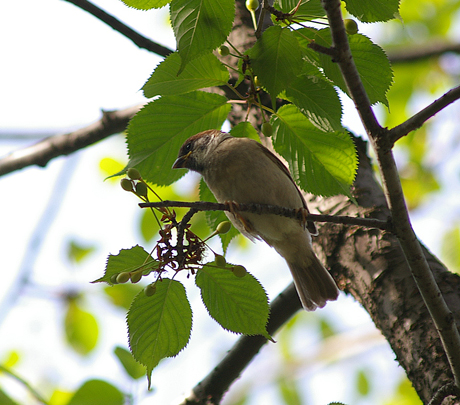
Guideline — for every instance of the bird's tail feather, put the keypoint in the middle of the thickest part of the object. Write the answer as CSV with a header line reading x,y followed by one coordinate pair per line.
x,y
313,282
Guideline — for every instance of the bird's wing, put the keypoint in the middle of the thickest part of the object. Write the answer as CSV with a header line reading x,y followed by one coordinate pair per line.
x,y
310,225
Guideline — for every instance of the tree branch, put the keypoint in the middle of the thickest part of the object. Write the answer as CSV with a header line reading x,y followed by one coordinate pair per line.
x,y
344,59
273,209
422,116
427,51
411,247
112,122
211,389
138,39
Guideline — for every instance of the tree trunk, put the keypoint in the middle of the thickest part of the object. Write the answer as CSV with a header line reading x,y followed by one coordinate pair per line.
x,y
370,265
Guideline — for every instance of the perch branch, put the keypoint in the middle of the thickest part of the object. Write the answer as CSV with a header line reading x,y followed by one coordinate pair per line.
x,y
138,39
273,209
416,260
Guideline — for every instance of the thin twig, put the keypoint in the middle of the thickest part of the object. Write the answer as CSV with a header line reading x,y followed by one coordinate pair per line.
x,y
273,209
261,21
21,380
429,290
422,116
112,122
117,25
180,234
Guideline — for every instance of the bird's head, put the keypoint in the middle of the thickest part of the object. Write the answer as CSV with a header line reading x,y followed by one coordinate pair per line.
x,y
194,153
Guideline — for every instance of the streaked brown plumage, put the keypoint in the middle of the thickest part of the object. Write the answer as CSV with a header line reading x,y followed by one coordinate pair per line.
x,y
243,171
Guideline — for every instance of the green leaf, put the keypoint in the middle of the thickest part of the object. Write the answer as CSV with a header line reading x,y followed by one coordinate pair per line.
x,y
238,304
97,392
289,391
214,218
276,59
373,11
205,71
131,366
362,383
122,295
371,61
159,326
157,131
127,260
318,100
450,248
200,26
76,252
322,163
245,130
81,329
308,10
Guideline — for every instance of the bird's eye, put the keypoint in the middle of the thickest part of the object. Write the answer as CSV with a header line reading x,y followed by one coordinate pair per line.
x,y
188,146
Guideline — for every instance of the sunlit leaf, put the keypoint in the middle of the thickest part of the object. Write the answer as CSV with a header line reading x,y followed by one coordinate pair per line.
x,y
81,329
322,163
205,71
200,26
108,166
290,391
362,383
373,11
158,130
76,252
131,366
97,392
159,326
450,248
276,59
238,304
127,260
121,295
245,130
318,100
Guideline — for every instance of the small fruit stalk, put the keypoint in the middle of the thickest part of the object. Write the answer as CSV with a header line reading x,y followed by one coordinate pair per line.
x,y
252,6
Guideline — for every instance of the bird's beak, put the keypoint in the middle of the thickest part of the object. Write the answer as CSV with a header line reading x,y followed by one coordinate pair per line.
x,y
181,161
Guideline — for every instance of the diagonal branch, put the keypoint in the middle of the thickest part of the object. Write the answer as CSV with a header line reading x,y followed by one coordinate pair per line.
x,y
211,389
413,252
273,209
112,122
424,115
117,25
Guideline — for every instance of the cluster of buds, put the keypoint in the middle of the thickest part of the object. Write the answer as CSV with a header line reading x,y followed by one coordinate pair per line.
x,y
186,254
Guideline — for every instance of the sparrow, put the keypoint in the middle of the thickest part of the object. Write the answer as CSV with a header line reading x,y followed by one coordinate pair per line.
x,y
241,170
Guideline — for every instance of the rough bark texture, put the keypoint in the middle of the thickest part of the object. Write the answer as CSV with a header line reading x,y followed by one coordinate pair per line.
x,y
369,264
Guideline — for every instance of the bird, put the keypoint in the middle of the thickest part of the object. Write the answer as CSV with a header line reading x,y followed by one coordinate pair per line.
x,y
243,171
